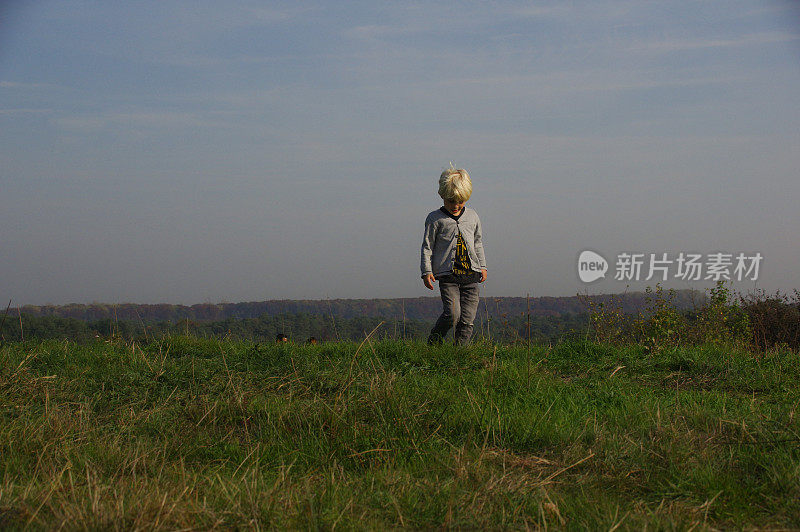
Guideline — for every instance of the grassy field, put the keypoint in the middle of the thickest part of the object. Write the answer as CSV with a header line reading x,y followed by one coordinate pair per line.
x,y
197,434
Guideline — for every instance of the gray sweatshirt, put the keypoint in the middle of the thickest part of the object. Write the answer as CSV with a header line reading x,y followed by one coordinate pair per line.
x,y
439,243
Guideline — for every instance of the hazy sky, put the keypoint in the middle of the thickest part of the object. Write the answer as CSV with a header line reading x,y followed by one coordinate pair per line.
x,y
191,152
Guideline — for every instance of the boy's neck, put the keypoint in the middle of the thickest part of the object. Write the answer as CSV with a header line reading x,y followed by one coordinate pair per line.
x,y
450,214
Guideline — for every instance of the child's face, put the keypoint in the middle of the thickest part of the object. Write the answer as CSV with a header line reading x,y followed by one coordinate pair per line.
x,y
454,207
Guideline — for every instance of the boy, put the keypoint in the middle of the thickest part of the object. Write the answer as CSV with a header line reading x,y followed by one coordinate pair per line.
x,y
452,253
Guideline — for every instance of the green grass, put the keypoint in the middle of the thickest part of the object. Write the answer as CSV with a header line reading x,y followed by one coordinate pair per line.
x,y
198,434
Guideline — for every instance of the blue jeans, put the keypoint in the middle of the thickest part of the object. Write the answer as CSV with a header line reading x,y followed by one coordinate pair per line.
x,y
460,305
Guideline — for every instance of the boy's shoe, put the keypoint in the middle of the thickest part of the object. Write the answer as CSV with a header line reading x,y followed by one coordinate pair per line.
x,y
435,339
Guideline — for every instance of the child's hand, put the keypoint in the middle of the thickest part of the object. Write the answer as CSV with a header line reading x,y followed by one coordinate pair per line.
x,y
429,280
484,275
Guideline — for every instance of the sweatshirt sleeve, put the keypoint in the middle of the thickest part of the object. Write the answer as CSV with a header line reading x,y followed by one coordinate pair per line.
x,y
428,240
479,244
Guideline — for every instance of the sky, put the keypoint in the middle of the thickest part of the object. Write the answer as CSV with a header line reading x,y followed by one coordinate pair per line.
x,y
204,152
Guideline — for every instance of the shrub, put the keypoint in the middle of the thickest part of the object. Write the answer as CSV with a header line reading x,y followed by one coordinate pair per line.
x,y
660,325
723,320
607,321
774,319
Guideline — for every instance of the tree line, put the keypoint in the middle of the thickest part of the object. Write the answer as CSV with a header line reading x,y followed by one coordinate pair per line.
x,y
416,308
297,327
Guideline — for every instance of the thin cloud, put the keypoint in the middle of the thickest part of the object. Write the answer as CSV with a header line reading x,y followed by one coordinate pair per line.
x,y
145,120
375,31
538,11
175,33
18,85
588,81
24,111
756,39
80,123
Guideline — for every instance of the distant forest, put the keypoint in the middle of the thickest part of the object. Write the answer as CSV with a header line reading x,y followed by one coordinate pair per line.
x,y
418,308
504,319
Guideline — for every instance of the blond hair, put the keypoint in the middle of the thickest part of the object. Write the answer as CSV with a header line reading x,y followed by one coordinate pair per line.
x,y
455,185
